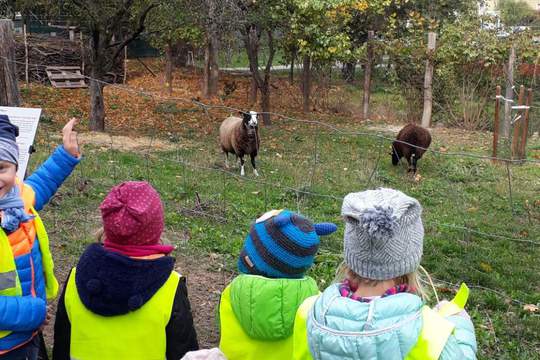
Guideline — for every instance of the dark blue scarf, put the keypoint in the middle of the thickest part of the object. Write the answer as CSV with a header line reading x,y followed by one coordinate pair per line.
x,y
12,208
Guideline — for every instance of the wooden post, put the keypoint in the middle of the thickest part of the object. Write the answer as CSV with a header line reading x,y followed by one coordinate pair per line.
x,y
525,127
496,124
9,88
509,93
25,56
306,83
428,80
82,51
367,75
517,124
125,64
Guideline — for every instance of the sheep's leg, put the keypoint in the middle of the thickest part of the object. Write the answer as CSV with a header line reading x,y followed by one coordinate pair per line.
x,y
242,172
226,160
252,156
410,158
414,160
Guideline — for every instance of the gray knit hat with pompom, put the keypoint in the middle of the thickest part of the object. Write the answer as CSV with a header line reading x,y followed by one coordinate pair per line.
x,y
384,234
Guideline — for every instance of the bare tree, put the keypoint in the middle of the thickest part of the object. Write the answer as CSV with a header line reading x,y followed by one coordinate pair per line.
x,y
258,19
110,25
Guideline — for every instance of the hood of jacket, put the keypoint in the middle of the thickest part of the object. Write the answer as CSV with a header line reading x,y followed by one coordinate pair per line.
x,y
112,284
266,308
385,328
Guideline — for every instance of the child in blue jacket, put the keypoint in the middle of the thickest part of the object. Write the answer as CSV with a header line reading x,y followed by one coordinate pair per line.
x,y
26,267
375,311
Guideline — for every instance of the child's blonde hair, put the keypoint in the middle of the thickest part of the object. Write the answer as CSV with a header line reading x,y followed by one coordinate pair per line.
x,y
414,280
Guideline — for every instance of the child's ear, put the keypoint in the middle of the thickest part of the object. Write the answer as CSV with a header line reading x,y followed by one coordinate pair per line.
x,y
282,220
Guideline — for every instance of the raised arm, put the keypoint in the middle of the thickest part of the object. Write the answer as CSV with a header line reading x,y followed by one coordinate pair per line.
x,y
46,180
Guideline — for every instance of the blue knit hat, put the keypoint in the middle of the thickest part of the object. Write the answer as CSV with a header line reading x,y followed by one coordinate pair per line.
x,y
9,150
281,244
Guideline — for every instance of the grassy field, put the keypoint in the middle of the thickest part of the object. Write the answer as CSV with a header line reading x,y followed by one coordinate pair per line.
x,y
309,168
482,219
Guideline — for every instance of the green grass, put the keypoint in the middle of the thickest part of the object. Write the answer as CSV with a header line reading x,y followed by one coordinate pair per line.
x,y
310,176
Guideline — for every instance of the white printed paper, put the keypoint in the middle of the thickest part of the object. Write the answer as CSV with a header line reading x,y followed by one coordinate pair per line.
x,y
27,120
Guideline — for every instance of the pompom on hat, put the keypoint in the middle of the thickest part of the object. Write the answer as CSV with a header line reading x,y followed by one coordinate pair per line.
x,y
282,244
133,220
384,235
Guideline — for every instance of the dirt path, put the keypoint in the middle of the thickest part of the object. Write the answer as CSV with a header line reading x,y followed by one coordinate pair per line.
x,y
206,278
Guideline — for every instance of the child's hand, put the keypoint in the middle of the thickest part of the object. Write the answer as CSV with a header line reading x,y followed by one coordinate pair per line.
x,y
71,145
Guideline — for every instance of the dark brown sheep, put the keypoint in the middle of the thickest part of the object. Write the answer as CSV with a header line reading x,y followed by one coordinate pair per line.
x,y
240,136
418,137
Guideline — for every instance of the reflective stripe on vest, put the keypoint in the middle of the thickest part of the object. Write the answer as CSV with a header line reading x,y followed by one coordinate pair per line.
x,y
9,280
436,329
236,344
139,334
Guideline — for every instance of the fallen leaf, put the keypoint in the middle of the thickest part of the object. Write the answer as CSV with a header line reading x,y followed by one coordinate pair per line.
x,y
417,177
530,308
486,267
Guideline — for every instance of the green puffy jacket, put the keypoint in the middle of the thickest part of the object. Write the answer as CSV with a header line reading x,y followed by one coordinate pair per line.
x,y
257,316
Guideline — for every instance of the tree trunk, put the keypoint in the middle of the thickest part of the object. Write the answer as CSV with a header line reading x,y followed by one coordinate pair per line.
x,y
9,87
253,90
509,94
367,75
349,70
291,70
306,83
206,70
97,106
169,68
211,69
214,69
428,80
251,42
265,103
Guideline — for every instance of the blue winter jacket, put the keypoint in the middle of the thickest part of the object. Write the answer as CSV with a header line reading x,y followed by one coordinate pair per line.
x,y
338,328
24,314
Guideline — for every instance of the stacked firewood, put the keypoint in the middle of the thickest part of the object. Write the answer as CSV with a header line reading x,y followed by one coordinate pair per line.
x,y
46,51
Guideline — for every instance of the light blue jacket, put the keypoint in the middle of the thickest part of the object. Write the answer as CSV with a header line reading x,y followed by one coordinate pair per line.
x,y
385,328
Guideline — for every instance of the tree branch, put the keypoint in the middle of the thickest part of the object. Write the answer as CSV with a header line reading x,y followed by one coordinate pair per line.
x,y
136,33
270,55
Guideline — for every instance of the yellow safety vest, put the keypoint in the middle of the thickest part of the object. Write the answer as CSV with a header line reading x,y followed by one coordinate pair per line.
x,y
139,334
436,329
9,279
237,345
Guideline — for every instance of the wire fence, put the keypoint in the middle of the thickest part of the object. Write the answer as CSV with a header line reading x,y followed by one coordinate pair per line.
x,y
309,165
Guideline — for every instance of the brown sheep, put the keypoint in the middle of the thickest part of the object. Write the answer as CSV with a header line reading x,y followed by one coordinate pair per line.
x,y
413,135
240,136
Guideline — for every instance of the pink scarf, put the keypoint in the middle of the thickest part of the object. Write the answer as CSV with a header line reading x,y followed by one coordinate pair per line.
x,y
138,250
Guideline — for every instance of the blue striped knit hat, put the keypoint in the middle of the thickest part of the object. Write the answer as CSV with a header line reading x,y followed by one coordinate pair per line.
x,y
9,150
281,244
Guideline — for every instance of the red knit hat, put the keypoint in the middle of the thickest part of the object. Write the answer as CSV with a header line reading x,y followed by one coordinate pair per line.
x,y
132,216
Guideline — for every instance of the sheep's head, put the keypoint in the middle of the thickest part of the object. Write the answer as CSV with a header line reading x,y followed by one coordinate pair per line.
x,y
250,122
